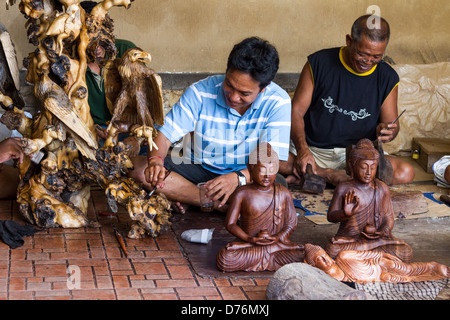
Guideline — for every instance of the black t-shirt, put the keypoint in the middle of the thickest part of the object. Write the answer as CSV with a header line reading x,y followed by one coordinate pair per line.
x,y
345,106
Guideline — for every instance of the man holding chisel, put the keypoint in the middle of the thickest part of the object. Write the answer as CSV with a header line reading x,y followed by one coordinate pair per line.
x,y
345,94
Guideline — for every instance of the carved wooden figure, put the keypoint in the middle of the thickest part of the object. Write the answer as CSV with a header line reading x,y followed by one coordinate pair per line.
x,y
54,192
363,208
134,93
266,217
371,266
66,25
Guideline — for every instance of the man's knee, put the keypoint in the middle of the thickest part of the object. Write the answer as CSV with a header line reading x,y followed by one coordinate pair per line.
x,y
139,165
403,172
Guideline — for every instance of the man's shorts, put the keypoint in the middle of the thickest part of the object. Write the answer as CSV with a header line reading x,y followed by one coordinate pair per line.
x,y
325,158
334,158
195,173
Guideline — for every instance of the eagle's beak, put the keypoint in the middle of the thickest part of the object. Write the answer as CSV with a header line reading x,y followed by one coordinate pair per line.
x,y
145,57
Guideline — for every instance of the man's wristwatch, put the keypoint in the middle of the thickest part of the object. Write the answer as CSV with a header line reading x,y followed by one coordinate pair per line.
x,y
241,178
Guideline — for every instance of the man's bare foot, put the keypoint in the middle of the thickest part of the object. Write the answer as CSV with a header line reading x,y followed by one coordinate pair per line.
x,y
179,207
182,208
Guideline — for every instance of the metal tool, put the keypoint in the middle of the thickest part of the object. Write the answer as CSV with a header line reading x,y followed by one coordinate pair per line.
x,y
120,240
154,189
396,119
311,182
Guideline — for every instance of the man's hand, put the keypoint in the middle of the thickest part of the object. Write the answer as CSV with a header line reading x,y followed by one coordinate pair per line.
x,y
222,187
386,132
155,172
11,148
301,161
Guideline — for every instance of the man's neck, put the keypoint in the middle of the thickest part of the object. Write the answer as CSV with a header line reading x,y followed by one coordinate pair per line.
x,y
94,67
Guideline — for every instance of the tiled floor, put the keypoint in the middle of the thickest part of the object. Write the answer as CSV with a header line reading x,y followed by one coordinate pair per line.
x,y
87,263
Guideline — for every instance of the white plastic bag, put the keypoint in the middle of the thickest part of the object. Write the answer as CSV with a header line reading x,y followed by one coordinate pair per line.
x,y
198,235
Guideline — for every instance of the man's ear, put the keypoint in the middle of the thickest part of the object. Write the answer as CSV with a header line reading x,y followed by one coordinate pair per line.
x,y
348,40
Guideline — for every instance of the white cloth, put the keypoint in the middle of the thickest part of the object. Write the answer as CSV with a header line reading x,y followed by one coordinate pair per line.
x,y
439,170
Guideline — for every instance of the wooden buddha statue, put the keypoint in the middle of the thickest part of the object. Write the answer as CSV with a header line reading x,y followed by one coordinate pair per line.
x,y
266,216
364,210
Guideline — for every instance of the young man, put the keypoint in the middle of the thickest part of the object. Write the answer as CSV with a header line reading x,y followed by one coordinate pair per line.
x,y
344,95
225,117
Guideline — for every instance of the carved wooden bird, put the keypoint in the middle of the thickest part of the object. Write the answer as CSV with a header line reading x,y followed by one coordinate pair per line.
x,y
133,90
9,73
65,25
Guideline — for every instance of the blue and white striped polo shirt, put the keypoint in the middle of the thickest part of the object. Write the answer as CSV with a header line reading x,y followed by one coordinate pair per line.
x,y
222,139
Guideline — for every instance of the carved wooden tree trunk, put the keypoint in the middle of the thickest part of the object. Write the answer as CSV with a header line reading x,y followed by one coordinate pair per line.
x,y
54,191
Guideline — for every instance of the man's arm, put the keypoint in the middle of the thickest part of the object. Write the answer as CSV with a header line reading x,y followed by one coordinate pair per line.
x,y
387,131
179,121
11,148
155,172
300,104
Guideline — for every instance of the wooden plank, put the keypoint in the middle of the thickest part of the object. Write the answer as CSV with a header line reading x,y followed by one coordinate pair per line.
x,y
408,203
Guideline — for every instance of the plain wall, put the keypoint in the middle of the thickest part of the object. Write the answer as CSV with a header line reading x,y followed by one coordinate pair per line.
x,y
197,35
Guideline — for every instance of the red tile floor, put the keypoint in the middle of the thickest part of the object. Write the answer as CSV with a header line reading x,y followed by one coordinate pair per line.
x,y
87,263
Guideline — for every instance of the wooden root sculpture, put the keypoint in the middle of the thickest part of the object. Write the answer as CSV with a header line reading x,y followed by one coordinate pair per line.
x,y
150,215
54,191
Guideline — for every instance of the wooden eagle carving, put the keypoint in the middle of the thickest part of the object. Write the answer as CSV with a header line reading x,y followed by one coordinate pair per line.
x,y
133,90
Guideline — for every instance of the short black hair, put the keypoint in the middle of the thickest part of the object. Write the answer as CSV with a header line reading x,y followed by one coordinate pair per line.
x,y
360,27
88,5
256,57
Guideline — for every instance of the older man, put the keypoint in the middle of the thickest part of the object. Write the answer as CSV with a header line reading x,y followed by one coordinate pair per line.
x,y
343,95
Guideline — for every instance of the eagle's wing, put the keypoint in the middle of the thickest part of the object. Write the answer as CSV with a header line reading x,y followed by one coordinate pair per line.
x,y
9,69
154,95
113,84
56,101
65,112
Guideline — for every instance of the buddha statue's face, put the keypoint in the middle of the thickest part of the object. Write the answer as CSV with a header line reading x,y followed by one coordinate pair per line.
x,y
325,263
365,170
264,174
